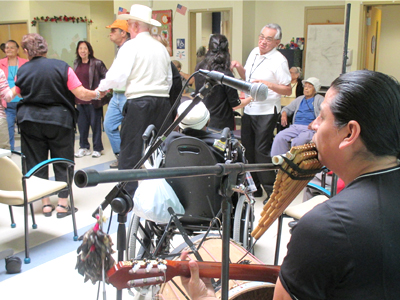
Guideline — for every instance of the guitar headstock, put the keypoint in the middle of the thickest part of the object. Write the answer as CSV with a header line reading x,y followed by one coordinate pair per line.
x,y
127,274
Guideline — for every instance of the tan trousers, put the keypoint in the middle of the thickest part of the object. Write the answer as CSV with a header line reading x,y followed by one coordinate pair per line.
x,y
4,137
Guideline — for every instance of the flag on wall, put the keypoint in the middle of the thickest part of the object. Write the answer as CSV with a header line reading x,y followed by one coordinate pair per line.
x,y
122,11
181,9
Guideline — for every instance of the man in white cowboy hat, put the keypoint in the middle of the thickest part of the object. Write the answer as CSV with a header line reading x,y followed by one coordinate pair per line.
x,y
143,67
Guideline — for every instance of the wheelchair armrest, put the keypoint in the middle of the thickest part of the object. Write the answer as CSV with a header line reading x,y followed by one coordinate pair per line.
x,y
45,163
225,134
148,132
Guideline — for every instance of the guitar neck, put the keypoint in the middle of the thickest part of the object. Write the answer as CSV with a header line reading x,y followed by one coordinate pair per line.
x,y
263,273
149,273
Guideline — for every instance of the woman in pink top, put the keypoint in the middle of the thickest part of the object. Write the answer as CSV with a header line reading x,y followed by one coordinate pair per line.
x,y
10,66
5,95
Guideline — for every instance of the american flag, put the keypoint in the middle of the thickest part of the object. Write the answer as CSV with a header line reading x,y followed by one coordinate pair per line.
x,y
122,11
181,9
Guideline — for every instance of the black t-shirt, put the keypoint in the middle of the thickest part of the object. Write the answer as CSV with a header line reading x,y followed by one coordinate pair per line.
x,y
349,246
219,101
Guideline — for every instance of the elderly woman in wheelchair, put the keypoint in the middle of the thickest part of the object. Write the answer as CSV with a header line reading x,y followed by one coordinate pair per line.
x,y
199,195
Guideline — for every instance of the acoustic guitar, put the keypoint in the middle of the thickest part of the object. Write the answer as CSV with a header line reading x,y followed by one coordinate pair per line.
x,y
127,274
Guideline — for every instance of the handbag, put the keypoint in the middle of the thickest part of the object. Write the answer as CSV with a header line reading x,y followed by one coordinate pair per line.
x,y
152,199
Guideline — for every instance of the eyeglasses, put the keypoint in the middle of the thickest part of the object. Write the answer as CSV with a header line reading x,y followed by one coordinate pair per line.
x,y
269,39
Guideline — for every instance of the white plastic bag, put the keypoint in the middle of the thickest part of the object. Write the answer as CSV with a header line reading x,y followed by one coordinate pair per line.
x,y
152,199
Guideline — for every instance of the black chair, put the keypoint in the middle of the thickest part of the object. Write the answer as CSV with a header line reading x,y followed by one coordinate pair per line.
x,y
198,195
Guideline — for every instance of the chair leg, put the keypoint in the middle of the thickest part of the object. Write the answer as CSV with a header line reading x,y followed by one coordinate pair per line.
x,y
13,225
71,199
27,260
34,225
278,239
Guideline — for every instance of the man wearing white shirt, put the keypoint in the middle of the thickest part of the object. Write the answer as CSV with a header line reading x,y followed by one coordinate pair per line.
x,y
266,65
143,67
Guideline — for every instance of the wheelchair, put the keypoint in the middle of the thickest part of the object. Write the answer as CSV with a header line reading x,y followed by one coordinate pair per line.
x,y
199,195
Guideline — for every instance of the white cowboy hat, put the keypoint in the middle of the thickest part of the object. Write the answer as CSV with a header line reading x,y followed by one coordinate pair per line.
x,y
140,13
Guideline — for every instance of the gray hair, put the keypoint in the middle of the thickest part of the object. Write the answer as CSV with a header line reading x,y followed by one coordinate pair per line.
x,y
275,26
298,71
35,44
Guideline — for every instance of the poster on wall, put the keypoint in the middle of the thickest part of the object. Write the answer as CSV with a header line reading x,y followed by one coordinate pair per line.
x,y
165,18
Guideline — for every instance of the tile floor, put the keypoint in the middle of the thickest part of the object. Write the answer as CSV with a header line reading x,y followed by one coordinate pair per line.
x,y
51,274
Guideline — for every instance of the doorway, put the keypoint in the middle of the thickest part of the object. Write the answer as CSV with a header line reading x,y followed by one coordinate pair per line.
x,y
203,23
374,20
14,31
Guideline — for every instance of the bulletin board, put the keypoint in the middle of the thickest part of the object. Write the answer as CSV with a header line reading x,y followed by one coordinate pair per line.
x,y
324,52
165,18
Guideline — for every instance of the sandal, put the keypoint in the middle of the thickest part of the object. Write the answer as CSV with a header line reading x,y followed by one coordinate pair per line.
x,y
65,213
48,213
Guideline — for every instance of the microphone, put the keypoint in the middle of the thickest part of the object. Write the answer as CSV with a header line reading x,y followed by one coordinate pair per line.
x,y
257,90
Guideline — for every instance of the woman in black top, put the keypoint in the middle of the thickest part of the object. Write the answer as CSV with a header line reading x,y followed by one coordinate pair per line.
x,y
221,100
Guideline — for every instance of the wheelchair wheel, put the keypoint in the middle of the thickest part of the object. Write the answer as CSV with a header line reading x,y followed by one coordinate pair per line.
x,y
138,229
243,222
143,238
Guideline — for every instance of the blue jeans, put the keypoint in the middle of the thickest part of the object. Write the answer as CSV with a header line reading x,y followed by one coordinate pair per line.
x,y
113,120
90,117
11,112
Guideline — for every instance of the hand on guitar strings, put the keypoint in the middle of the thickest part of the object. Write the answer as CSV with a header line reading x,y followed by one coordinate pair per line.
x,y
197,288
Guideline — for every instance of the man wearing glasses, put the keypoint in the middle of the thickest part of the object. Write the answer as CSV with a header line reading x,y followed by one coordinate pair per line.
x,y
267,65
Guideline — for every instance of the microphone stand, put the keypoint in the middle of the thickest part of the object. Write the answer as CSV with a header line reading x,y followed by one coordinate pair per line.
x,y
227,172
122,203
120,200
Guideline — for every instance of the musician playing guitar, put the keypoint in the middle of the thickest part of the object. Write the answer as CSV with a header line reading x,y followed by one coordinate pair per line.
x,y
349,246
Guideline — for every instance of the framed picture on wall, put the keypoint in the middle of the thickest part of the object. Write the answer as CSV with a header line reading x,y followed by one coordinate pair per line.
x,y
165,18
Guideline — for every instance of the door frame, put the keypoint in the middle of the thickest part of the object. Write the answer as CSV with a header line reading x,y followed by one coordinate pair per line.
x,y
192,32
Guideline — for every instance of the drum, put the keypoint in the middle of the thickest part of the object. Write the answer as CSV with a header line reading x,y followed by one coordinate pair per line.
x,y
211,250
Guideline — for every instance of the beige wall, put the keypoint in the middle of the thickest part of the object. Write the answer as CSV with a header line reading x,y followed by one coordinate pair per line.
x,y
388,59
15,11
248,17
101,12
